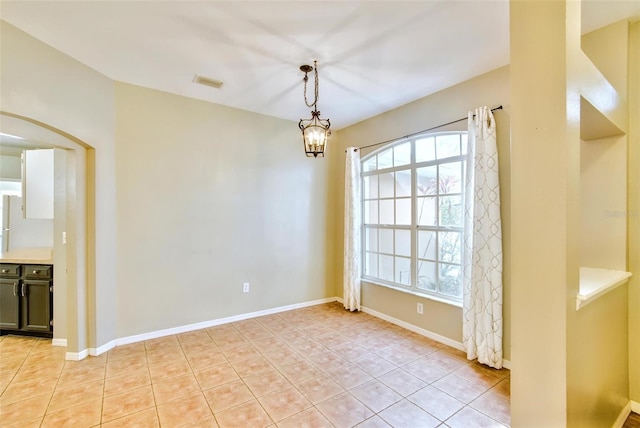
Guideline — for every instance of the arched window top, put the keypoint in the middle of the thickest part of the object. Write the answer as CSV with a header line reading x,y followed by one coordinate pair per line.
x,y
429,147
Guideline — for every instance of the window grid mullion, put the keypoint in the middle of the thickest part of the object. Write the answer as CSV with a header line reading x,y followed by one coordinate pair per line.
x,y
437,278
452,159
391,169
414,206
394,218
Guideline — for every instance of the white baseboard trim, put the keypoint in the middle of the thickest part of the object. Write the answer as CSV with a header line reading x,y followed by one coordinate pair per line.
x,y
77,356
622,417
421,331
94,352
206,324
59,342
635,407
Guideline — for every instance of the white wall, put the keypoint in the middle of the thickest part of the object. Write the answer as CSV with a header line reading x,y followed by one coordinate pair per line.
x,y
210,197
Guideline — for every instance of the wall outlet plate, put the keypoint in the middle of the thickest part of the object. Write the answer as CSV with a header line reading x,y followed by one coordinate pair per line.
x,y
245,287
420,308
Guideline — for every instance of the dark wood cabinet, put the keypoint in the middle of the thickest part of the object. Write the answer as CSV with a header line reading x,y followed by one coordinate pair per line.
x,y
26,299
9,304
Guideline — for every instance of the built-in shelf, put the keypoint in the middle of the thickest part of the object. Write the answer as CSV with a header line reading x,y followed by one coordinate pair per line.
x,y
595,282
593,124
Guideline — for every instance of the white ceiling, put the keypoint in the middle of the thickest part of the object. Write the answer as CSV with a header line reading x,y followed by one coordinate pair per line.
x,y
12,145
372,55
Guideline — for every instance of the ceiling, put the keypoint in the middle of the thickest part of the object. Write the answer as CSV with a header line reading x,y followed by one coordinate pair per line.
x,y
12,145
372,56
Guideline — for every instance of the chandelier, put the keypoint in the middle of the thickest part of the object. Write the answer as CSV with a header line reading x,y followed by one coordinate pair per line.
x,y
315,131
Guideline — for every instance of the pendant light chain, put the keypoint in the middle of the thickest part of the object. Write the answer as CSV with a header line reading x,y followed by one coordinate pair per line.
x,y
306,78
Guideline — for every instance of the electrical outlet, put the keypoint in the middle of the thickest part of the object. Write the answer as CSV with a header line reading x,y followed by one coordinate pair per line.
x,y
64,238
420,308
245,287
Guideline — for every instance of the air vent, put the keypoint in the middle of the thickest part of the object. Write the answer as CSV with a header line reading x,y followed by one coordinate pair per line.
x,y
207,81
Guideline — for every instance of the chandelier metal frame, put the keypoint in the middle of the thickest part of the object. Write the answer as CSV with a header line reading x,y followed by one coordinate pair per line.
x,y
315,131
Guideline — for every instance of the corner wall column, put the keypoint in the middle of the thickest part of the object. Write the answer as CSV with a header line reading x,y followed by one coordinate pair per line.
x,y
634,213
540,208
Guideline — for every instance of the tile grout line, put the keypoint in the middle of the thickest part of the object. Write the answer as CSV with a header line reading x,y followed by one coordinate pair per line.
x,y
153,392
194,376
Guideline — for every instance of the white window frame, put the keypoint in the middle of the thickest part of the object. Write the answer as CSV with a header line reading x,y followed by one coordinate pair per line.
x,y
414,228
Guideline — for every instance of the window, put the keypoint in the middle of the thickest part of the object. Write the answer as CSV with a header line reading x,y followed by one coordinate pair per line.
x,y
413,194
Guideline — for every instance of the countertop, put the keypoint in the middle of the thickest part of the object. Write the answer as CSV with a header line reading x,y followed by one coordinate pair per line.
x,y
42,256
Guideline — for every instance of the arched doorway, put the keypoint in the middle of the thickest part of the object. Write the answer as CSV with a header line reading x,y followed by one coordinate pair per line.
x,y
73,222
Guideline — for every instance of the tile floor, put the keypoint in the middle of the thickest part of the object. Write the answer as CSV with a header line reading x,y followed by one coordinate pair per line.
x,y
314,367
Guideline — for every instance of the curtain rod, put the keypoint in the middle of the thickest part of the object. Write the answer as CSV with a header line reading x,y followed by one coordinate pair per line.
x,y
420,132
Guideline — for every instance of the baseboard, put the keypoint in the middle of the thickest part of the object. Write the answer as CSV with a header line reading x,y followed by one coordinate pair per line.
x,y
77,356
206,324
59,342
506,364
94,352
421,331
635,407
622,417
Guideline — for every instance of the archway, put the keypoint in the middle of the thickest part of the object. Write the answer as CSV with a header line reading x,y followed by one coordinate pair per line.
x,y
74,218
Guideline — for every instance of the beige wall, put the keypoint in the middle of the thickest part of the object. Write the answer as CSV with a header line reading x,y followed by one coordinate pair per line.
x,y
603,162
490,89
47,86
10,167
59,251
603,203
607,48
597,380
539,213
210,197
598,334
634,212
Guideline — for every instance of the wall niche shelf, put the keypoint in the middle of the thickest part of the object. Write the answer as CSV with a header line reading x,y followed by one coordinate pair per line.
x,y
603,162
596,282
594,125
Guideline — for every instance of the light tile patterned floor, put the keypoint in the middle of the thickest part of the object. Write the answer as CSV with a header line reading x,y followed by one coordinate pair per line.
x,y
314,367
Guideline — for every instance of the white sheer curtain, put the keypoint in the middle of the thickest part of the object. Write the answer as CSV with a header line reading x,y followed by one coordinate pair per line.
x,y
482,273
352,230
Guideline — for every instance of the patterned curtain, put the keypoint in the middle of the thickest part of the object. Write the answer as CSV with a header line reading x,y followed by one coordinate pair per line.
x,y
482,273
352,231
